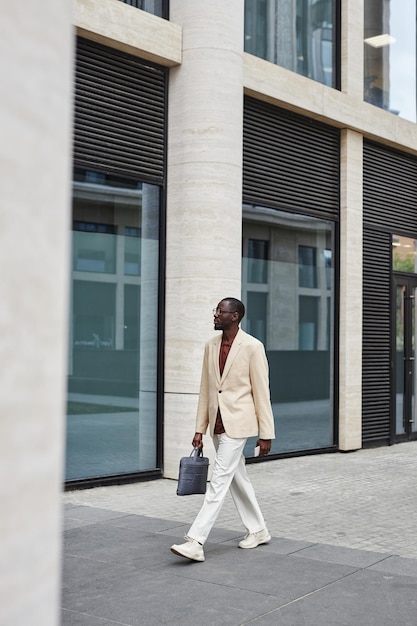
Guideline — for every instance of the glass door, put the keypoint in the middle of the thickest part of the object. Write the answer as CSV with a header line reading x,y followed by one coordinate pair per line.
x,y
405,371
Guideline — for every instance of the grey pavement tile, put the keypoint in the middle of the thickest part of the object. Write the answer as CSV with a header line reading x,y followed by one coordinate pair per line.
x,y
81,575
397,565
264,572
178,531
93,514
112,544
365,597
72,618
344,556
141,522
70,523
140,599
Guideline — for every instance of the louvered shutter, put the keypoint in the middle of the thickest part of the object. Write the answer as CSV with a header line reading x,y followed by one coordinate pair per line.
x,y
119,113
389,189
376,336
290,162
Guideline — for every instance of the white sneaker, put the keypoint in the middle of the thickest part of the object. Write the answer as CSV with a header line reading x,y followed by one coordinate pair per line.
x,y
252,540
191,549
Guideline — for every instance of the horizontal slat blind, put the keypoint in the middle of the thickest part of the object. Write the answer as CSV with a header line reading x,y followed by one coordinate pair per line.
x,y
119,113
389,189
376,336
289,162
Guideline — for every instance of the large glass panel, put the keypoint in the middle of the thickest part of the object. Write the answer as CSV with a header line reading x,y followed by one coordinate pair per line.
x,y
157,7
111,425
390,56
292,314
404,254
296,34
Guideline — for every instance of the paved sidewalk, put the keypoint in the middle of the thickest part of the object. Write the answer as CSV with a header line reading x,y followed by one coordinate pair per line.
x,y
343,549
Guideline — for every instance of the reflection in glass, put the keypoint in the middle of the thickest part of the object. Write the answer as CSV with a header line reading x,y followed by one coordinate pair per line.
x,y
404,254
400,378
132,251
292,314
295,34
405,355
307,276
257,260
156,7
94,254
412,362
390,56
111,426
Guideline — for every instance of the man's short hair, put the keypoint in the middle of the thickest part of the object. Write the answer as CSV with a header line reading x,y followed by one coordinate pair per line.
x,y
238,306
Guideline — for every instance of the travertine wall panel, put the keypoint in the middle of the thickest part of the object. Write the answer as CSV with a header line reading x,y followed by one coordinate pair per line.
x,y
204,201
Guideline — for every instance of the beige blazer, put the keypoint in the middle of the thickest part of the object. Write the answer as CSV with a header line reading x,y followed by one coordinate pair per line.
x,y
242,392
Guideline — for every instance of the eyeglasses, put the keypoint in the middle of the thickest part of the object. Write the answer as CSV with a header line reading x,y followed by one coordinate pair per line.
x,y
221,312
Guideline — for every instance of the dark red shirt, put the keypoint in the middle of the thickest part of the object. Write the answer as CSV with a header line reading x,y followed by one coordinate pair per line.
x,y
223,354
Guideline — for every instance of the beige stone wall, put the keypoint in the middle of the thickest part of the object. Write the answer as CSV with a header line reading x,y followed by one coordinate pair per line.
x,y
35,164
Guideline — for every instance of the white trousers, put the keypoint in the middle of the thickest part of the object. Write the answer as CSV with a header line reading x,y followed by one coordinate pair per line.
x,y
229,471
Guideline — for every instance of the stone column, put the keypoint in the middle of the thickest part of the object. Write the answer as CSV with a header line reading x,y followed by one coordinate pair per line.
x,y
350,339
204,201
351,244
36,41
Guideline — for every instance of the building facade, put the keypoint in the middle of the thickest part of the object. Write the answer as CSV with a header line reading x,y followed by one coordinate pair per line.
x,y
261,149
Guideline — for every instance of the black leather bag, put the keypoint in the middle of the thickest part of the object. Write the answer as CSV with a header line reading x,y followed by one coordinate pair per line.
x,y
193,474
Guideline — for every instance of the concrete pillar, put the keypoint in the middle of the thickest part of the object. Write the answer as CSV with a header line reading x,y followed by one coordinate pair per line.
x,y
351,246
204,202
35,165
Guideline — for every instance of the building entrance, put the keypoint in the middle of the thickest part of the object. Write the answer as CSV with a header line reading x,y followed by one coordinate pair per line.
x,y
404,423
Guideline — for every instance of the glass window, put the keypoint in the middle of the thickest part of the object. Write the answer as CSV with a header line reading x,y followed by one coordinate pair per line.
x,y
404,254
111,425
93,254
256,317
257,260
390,56
292,313
132,251
308,319
328,265
307,275
157,7
296,34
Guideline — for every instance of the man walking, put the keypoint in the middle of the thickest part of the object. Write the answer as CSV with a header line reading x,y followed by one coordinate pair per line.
x,y
235,404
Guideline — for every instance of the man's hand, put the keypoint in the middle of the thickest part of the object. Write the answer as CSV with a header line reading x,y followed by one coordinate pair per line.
x,y
198,441
264,446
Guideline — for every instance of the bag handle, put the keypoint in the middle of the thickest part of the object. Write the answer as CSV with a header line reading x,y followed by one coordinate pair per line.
x,y
196,452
